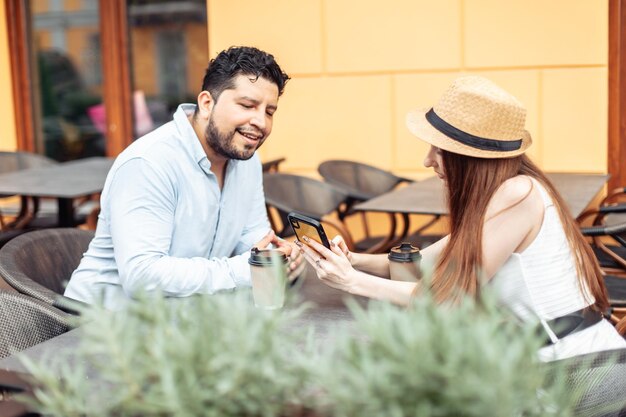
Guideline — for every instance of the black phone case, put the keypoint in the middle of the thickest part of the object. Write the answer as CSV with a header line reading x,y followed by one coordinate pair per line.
x,y
297,220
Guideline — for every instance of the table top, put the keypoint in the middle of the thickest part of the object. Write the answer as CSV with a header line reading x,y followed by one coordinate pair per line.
x,y
65,180
328,308
428,196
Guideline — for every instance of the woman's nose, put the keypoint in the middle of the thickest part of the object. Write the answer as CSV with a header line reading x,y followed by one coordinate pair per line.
x,y
429,160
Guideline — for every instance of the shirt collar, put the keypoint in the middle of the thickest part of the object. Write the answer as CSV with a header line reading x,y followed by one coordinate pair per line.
x,y
187,134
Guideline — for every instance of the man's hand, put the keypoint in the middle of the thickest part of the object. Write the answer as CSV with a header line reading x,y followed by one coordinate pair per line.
x,y
270,237
296,264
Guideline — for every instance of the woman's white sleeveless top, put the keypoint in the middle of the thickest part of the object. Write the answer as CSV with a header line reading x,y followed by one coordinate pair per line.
x,y
542,283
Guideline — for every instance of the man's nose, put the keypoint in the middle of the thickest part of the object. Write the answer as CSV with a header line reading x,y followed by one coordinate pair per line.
x,y
259,120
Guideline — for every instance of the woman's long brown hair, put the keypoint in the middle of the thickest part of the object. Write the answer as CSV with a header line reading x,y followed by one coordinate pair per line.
x,y
471,183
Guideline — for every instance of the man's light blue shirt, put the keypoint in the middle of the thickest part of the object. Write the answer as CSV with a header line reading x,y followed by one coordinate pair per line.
x,y
165,223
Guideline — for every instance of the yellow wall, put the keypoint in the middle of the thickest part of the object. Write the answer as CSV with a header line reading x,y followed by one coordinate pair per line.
x,y
359,65
8,140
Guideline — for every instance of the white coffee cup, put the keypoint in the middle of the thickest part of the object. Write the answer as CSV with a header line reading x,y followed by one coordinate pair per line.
x,y
268,273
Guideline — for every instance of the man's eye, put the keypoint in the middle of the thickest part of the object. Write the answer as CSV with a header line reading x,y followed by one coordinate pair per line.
x,y
247,106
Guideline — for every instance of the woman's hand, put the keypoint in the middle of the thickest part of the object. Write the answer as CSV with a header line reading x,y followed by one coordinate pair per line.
x,y
341,244
332,266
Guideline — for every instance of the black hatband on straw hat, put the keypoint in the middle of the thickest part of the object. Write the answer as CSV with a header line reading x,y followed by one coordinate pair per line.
x,y
469,139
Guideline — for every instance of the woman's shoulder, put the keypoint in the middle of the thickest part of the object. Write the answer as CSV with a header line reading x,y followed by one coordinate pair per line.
x,y
520,192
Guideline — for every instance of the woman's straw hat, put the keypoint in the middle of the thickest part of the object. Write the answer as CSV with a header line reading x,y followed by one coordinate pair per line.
x,y
474,117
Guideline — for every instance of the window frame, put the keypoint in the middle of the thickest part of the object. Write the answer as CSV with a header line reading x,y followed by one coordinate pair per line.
x,y
116,85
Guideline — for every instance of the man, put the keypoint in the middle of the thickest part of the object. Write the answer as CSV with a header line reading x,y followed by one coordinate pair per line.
x,y
183,205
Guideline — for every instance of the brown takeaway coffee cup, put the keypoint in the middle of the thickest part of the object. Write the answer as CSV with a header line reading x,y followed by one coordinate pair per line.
x,y
404,263
267,267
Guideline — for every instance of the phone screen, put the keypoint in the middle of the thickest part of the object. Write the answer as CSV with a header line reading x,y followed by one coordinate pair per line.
x,y
308,230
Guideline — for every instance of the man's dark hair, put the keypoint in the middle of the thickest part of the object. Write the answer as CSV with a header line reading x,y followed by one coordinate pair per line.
x,y
241,60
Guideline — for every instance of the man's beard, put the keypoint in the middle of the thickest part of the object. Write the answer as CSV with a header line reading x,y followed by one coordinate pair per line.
x,y
223,144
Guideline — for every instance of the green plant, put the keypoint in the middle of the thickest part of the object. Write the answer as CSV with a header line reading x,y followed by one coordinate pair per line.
x,y
220,356
434,360
200,356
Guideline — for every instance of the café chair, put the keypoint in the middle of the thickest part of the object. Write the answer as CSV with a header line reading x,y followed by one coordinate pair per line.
x,y
620,326
272,165
285,193
40,263
602,378
363,182
25,322
614,280
611,211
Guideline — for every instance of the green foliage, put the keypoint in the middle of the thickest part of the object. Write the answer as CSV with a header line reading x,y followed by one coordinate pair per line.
x,y
220,356
201,356
433,360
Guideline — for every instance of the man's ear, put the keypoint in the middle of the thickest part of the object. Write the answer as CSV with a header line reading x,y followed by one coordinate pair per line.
x,y
205,104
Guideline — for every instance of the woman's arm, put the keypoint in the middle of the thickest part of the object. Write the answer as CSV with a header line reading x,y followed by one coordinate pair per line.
x,y
513,220
333,267
366,285
378,264
371,264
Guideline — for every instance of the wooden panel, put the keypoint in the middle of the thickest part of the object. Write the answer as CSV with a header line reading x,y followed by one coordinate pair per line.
x,y
617,93
17,22
116,91
115,69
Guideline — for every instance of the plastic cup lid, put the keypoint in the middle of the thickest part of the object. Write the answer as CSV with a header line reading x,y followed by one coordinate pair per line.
x,y
405,252
263,257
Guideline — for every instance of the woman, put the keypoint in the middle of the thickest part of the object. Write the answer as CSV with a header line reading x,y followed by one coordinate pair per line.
x,y
531,250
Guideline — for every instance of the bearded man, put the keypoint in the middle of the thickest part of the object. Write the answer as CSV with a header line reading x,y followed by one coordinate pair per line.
x,y
183,205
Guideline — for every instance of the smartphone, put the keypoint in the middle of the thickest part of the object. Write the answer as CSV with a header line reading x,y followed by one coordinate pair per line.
x,y
303,225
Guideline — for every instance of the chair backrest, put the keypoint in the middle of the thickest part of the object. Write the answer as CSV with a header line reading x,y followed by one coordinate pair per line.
x,y
311,197
602,377
306,195
272,165
25,322
40,263
361,181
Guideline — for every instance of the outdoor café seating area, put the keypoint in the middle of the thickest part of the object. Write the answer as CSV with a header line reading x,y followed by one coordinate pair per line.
x,y
373,209
323,208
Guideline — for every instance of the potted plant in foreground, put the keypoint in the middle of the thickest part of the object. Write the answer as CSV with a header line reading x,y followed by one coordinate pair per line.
x,y
219,356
